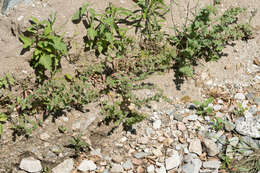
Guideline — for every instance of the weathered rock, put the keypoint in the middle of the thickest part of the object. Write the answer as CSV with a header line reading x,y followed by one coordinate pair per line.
x,y
128,165
192,167
65,167
7,4
150,169
195,146
212,164
160,170
248,126
229,126
87,165
173,161
116,168
240,96
30,164
157,124
211,146
234,141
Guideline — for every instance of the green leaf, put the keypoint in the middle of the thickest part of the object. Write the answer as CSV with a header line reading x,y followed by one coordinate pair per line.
x,y
46,62
27,42
78,15
34,20
92,33
3,117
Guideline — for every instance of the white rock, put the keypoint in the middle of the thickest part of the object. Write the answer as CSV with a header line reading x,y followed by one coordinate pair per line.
x,y
217,107
87,165
173,162
30,164
240,96
195,146
150,169
116,168
212,164
211,146
157,124
65,167
160,170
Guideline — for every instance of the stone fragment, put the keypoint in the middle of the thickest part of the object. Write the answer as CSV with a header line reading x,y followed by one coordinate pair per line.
x,y
44,136
128,165
150,169
117,159
248,126
240,96
212,164
173,161
160,170
30,164
195,146
140,155
65,167
229,126
192,166
157,124
116,168
7,4
211,146
87,165
233,141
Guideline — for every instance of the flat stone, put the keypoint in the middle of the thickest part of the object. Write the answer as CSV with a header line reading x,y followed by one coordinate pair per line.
x,y
211,146
195,146
240,96
212,164
87,165
140,155
30,164
128,165
116,168
157,124
248,126
65,167
173,162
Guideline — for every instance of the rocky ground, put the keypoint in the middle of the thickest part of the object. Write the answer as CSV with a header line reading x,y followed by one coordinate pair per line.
x,y
173,138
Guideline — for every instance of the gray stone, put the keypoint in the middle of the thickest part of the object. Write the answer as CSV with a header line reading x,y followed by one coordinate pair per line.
x,y
65,167
234,141
128,165
30,164
253,110
212,164
178,117
250,142
192,117
211,146
140,155
240,96
192,167
217,107
248,127
7,4
116,168
174,161
195,146
257,101
87,165
229,126
250,96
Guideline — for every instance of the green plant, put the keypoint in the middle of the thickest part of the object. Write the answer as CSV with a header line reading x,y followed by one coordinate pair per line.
x,y
206,35
240,110
103,31
24,126
78,145
203,108
48,47
7,81
3,119
218,123
148,17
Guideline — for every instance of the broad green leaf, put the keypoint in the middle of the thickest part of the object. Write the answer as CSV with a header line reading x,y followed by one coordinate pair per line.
x,y
3,117
34,20
92,33
46,62
109,37
27,42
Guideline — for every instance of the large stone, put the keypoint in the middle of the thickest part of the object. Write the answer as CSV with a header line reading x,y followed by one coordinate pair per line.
x,y
195,146
7,4
65,167
248,126
192,167
173,162
87,165
30,164
211,146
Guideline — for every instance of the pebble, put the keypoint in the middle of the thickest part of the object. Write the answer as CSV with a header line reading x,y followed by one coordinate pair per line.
x,y
181,126
44,136
192,117
117,159
160,170
257,101
30,164
240,96
65,167
195,146
150,169
212,164
211,146
128,165
116,168
217,107
157,124
192,167
140,155
87,165
174,161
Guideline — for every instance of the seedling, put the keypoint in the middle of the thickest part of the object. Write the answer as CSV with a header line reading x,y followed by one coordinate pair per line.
x,y
240,110
78,145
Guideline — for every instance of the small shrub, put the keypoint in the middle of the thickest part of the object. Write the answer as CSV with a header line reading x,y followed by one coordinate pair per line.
x,y
48,47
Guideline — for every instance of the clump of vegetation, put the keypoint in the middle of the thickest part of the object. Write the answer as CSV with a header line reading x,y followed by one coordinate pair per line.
x,y
203,108
48,47
79,145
